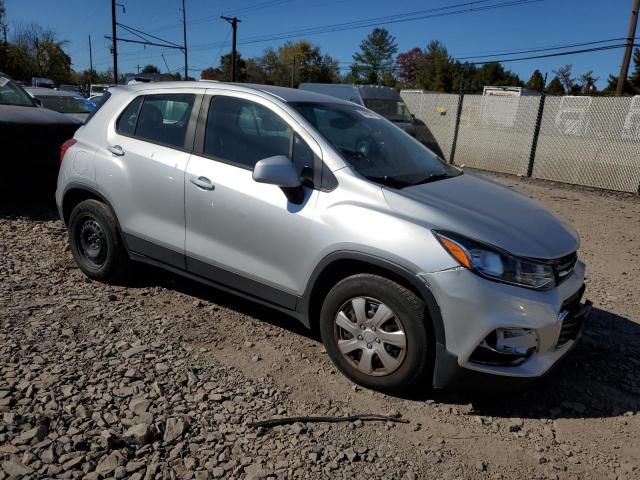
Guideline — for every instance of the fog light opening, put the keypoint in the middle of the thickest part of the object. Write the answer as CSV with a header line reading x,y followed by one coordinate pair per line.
x,y
506,347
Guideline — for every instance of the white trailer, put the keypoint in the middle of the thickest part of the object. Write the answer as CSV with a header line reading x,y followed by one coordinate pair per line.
x,y
500,105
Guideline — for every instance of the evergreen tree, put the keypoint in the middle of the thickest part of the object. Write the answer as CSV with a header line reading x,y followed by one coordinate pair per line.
x,y
634,79
555,87
612,86
375,58
435,69
536,82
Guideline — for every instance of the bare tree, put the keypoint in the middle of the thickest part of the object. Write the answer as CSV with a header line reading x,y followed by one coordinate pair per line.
x,y
564,75
588,81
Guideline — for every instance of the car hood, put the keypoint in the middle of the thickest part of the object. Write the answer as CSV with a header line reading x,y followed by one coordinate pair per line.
x,y
15,115
482,210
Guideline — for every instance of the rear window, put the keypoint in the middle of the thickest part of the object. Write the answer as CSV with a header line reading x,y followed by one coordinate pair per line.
x,y
99,103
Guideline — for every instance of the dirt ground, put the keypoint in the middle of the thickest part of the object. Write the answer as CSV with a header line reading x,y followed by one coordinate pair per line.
x,y
222,362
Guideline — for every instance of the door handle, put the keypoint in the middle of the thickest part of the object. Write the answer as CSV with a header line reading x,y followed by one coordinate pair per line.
x,y
202,182
116,150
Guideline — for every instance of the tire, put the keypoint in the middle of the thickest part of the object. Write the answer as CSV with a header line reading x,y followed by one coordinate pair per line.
x,y
403,368
96,244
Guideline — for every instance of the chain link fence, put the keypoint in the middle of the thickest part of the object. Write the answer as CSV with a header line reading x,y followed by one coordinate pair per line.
x,y
591,141
438,112
496,133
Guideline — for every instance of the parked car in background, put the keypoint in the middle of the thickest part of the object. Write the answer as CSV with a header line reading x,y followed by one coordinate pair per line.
x,y
385,101
69,103
413,271
43,83
96,89
31,137
70,88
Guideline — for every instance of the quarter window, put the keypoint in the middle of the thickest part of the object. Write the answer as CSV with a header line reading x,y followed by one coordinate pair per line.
x,y
127,121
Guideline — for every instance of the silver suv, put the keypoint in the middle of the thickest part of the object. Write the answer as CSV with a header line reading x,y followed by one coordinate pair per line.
x,y
412,271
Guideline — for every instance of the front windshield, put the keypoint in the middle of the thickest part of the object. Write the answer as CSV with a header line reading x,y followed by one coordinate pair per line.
x,y
66,104
394,110
374,147
12,94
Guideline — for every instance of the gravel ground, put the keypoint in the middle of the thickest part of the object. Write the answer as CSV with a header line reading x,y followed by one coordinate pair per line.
x,y
162,378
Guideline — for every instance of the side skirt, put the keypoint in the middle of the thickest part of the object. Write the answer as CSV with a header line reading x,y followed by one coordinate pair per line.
x,y
137,257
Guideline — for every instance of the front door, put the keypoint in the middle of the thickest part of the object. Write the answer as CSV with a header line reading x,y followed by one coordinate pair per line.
x,y
241,233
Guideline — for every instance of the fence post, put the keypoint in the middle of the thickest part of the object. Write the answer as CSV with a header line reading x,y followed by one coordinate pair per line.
x,y
457,127
536,134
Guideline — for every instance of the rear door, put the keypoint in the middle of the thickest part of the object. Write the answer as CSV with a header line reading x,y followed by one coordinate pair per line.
x,y
149,149
241,233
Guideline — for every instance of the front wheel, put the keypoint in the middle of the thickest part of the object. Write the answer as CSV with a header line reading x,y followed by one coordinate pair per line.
x,y
374,331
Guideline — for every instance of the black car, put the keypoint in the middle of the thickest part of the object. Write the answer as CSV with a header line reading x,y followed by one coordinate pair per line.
x,y
31,137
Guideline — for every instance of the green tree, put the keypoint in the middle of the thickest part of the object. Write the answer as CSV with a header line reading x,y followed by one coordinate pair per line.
x,y
555,87
3,22
151,69
375,58
536,82
435,69
495,74
612,86
634,78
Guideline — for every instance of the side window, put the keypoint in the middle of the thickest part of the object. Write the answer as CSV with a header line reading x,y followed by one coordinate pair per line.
x,y
127,122
164,119
303,158
243,132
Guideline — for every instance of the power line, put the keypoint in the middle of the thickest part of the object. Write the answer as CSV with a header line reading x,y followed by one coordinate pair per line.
x,y
256,6
457,9
462,8
549,55
541,49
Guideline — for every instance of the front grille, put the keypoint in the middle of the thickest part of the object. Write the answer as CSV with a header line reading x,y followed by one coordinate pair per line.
x,y
564,266
572,322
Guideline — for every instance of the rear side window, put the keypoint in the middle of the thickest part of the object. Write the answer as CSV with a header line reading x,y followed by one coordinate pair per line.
x,y
99,103
243,132
159,119
127,121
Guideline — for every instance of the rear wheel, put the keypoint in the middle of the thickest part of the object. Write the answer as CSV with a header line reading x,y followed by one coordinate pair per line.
x,y
95,242
374,331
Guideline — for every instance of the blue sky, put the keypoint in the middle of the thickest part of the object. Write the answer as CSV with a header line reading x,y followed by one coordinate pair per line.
x,y
541,24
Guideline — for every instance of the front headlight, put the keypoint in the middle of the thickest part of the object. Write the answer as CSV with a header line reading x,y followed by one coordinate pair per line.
x,y
492,263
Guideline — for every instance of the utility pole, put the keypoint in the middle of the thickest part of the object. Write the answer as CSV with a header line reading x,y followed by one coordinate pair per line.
x,y
631,35
234,26
138,67
90,63
114,45
184,32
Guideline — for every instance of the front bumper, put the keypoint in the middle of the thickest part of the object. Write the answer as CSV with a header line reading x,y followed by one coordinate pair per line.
x,y
473,307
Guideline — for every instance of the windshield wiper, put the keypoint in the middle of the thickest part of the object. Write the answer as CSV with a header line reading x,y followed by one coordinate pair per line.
x,y
434,177
392,182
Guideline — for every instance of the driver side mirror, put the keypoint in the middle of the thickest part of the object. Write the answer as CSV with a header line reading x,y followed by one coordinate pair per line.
x,y
37,101
281,172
